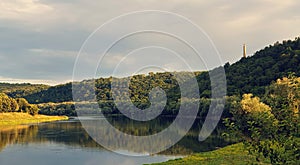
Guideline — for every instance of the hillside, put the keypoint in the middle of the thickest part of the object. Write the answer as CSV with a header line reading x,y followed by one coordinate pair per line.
x,y
21,90
248,75
252,74
58,93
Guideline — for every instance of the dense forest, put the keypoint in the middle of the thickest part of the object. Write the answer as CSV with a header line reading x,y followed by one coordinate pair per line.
x,y
254,73
21,90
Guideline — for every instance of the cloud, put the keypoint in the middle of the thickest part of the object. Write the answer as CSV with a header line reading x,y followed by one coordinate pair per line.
x,y
53,53
32,81
19,8
37,64
25,13
40,38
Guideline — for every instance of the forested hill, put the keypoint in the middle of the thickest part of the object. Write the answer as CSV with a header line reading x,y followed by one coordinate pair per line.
x,y
21,89
248,75
252,74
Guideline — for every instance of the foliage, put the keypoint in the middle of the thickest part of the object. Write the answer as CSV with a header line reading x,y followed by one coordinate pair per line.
x,y
24,106
8,104
64,108
254,73
33,109
59,93
21,90
270,131
252,105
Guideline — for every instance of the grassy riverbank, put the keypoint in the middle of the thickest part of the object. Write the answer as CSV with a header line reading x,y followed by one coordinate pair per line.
x,y
233,154
9,119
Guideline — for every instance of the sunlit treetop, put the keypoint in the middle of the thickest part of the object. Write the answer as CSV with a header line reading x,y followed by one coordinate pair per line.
x,y
251,104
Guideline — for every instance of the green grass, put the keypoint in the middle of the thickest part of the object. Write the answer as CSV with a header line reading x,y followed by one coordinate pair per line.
x,y
10,119
232,155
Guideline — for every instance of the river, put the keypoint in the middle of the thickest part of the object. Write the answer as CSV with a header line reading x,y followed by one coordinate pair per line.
x,y
66,142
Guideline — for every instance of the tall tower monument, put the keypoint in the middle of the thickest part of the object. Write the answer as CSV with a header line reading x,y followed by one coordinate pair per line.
x,y
244,51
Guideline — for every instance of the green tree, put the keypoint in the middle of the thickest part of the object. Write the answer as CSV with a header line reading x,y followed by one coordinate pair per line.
x,y
7,104
270,130
33,109
14,105
24,106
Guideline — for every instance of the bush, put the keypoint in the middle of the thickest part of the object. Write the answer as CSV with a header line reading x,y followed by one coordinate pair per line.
x,y
272,130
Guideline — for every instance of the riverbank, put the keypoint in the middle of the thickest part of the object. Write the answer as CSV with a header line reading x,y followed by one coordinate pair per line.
x,y
232,154
9,119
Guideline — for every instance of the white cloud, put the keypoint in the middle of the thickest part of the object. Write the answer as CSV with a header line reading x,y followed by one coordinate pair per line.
x,y
53,53
32,81
19,9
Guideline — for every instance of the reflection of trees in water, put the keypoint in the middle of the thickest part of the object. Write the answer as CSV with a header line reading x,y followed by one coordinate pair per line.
x,y
72,134
17,134
189,144
139,128
68,133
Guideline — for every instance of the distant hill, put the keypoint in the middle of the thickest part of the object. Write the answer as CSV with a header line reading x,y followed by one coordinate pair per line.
x,y
249,75
56,94
22,89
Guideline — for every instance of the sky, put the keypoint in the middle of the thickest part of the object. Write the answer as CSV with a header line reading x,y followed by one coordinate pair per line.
x,y
41,39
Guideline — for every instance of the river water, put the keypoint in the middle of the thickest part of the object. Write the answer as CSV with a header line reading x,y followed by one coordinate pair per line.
x,y
66,142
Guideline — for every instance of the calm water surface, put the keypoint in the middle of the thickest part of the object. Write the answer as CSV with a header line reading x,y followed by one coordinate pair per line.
x,y
67,142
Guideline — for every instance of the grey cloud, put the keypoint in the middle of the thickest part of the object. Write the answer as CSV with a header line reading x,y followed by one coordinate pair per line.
x,y
66,25
37,67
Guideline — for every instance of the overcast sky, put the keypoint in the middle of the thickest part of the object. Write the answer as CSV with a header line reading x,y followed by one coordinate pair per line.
x,y
40,39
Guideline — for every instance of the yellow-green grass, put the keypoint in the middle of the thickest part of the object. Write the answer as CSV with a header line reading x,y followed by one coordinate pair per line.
x,y
232,155
10,119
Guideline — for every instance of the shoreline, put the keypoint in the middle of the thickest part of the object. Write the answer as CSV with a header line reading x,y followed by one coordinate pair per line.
x,y
232,154
16,118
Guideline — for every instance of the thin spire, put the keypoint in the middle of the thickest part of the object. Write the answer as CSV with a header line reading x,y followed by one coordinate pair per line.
x,y
244,51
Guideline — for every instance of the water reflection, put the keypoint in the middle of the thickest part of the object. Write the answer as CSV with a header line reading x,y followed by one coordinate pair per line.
x,y
71,133
15,134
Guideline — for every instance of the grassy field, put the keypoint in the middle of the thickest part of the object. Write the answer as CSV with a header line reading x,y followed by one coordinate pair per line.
x,y
9,119
232,155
